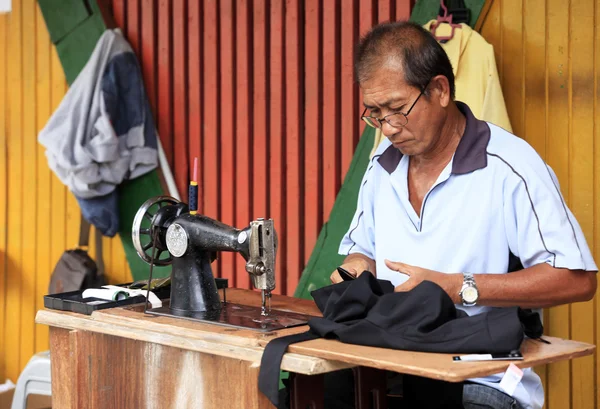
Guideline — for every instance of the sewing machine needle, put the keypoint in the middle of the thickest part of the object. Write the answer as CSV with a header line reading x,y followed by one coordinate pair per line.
x,y
263,310
269,300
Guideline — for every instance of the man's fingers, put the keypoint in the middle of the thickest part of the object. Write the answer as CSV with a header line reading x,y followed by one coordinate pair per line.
x,y
397,266
403,287
335,278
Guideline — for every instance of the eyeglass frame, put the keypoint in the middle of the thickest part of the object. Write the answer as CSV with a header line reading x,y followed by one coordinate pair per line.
x,y
380,121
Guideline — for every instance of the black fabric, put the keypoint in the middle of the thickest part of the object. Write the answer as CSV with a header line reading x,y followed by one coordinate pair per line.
x,y
339,391
270,363
425,393
367,311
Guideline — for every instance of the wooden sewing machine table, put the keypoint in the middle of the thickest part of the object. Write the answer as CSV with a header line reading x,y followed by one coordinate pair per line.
x,y
123,358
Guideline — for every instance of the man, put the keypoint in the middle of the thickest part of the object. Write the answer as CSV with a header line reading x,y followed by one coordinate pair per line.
x,y
457,201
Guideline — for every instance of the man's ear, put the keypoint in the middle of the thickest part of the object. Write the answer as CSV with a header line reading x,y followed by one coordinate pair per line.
x,y
440,87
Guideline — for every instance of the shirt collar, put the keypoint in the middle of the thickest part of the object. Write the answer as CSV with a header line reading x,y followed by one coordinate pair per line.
x,y
470,153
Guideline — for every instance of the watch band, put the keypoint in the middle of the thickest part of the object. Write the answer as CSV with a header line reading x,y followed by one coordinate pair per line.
x,y
468,278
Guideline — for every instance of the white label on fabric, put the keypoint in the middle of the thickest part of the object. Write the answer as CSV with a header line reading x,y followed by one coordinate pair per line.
x,y
511,379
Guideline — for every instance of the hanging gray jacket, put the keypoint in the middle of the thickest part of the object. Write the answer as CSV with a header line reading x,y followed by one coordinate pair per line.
x,y
102,133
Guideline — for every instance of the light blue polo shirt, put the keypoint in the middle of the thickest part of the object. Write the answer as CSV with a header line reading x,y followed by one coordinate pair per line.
x,y
496,207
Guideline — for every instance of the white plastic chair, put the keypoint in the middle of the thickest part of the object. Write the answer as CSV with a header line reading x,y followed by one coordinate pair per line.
x,y
34,380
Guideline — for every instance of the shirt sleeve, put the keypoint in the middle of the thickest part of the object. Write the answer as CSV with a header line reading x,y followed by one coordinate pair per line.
x,y
360,237
540,227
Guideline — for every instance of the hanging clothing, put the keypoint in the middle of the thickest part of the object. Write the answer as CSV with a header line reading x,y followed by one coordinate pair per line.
x,y
367,311
475,76
102,132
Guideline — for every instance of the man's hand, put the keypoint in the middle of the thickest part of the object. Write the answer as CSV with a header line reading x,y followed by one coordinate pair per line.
x,y
449,282
355,267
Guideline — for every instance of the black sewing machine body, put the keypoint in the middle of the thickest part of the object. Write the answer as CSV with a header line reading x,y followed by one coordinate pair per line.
x,y
191,243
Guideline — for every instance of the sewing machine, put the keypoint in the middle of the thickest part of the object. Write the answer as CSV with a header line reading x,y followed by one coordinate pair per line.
x,y
165,232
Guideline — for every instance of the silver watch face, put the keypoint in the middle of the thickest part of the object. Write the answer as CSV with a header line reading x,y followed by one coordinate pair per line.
x,y
469,295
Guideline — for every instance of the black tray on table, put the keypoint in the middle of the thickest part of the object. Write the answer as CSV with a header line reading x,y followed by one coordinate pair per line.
x,y
73,300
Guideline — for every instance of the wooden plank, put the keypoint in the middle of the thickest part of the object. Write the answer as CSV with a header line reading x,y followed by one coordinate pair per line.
x,y
367,19
246,349
294,81
148,49
195,69
211,116
15,193
535,83
57,189
535,89
227,129
595,244
180,97
349,110
29,179
164,116
581,173
403,9
73,220
126,269
313,128
491,31
119,11
243,128
331,102
112,267
368,16
441,366
186,378
62,392
4,33
485,9
513,75
211,122
118,253
260,129
557,156
276,111
93,249
133,25
384,11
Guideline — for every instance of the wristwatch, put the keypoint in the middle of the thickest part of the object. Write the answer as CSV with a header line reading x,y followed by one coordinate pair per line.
x,y
469,293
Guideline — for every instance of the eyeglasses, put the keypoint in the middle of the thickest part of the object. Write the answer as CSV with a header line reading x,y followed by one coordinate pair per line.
x,y
396,119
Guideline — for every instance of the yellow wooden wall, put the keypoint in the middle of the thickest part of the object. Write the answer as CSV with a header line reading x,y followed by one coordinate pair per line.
x,y
39,217
548,57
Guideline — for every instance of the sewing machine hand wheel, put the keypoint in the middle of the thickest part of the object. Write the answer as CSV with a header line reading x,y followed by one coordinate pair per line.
x,y
145,226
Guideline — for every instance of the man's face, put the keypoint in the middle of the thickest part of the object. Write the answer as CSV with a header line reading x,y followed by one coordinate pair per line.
x,y
386,93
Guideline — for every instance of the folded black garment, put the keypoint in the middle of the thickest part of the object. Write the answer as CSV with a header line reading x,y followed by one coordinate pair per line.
x,y
367,311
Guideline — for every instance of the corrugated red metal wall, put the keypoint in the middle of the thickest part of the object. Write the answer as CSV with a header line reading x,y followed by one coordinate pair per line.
x,y
262,93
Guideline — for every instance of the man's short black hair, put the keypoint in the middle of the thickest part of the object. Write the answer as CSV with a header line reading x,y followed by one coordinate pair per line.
x,y
421,56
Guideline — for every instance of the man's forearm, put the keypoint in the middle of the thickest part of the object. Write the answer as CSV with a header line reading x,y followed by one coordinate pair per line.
x,y
358,257
538,286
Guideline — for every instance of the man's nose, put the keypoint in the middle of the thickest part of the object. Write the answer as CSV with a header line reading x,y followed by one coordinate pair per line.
x,y
389,130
